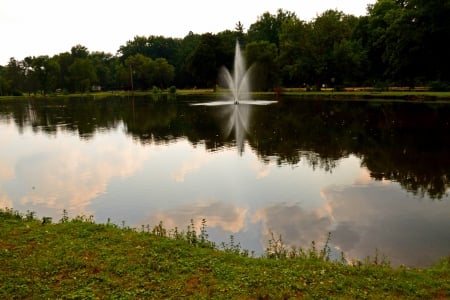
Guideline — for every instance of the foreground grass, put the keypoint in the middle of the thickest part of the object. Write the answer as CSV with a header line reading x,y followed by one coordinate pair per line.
x,y
77,259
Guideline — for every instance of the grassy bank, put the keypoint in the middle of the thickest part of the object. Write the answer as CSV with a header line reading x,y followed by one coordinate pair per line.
x,y
326,94
77,259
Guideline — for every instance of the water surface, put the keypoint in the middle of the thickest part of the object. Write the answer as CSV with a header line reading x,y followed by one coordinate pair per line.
x,y
376,175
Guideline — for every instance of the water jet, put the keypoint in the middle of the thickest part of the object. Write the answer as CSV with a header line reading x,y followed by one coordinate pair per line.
x,y
235,106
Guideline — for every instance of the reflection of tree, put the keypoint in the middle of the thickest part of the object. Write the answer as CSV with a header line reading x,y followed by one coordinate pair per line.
x,y
404,142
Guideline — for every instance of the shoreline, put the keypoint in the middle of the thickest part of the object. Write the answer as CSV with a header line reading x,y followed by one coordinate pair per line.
x,y
364,95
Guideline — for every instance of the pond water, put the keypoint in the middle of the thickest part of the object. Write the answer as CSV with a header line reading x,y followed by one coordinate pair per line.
x,y
376,175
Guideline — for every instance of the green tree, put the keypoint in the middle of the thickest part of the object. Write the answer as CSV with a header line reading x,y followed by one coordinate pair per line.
x,y
162,47
104,68
44,73
268,27
372,32
328,31
203,64
183,75
261,56
14,77
65,59
79,51
164,73
4,85
136,46
239,30
415,50
294,50
139,71
82,74
225,47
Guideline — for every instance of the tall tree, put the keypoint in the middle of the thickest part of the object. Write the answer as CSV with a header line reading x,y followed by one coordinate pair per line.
x,y
328,30
139,71
203,61
164,72
261,56
79,51
268,26
82,73
14,77
184,76
294,50
45,73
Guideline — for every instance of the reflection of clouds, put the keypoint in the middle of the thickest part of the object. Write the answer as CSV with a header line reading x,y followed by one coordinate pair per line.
x,y
407,230
6,172
190,165
262,169
5,202
297,226
364,177
66,174
6,165
217,214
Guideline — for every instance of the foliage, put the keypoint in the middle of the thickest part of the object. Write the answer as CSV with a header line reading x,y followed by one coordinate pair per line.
x,y
80,259
396,42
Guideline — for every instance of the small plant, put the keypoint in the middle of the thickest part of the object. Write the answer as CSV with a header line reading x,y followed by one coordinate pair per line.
x,y
276,249
377,260
30,215
9,213
46,220
326,251
191,235
159,230
156,93
65,217
439,86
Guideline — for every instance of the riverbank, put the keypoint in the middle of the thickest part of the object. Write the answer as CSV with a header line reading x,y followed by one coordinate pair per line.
x,y
351,94
80,259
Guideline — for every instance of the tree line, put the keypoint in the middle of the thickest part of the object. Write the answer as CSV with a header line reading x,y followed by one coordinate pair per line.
x,y
398,42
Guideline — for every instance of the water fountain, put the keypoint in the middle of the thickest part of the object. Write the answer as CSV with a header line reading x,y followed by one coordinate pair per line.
x,y
237,98
238,84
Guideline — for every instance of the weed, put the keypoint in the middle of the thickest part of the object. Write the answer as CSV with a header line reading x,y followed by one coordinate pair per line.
x,y
233,247
159,230
65,217
30,215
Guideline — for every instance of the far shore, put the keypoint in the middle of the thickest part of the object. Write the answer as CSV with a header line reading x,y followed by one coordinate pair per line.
x,y
419,94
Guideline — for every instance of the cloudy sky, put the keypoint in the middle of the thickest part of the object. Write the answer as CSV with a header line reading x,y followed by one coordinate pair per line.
x,y
48,27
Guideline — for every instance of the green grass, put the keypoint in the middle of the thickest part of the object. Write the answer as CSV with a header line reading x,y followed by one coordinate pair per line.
x,y
78,259
346,95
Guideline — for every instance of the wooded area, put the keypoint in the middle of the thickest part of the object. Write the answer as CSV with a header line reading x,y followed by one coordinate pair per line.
x,y
398,42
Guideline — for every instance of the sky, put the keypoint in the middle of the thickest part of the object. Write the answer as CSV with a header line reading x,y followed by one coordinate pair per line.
x,y
49,27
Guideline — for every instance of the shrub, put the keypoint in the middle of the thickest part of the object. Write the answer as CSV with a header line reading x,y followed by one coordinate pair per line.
x,y
439,86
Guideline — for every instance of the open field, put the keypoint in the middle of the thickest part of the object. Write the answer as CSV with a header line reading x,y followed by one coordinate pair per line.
x,y
78,259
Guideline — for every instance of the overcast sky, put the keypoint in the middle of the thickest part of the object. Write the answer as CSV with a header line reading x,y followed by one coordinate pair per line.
x,y
48,27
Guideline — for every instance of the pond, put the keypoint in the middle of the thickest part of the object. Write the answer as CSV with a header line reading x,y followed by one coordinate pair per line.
x,y
373,174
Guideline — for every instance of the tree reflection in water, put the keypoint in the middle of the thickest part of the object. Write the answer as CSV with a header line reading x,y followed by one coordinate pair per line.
x,y
397,141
